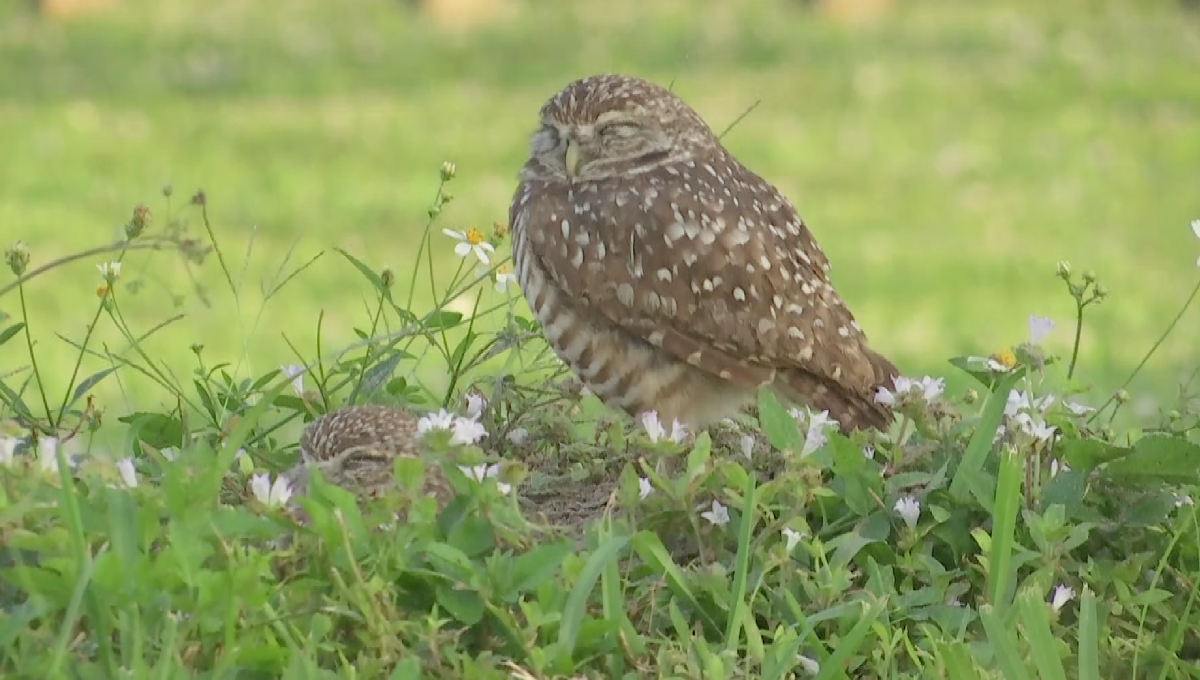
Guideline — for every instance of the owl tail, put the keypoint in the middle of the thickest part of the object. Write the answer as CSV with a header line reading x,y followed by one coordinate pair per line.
x,y
852,406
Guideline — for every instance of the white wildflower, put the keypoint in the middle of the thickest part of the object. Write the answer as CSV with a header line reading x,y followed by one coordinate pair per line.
x,y
274,494
296,373
1035,427
644,487
747,446
1024,401
719,515
988,363
929,388
1077,408
481,472
810,666
109,271
1182,500
504,278
471,241
1196,231
869,452
8,449
47,450
678,431
816,436
654,428
475,405
170,453
791,537
127,472
1056,467
1040,328
1062,595
517,435
909,510
441,420
467,431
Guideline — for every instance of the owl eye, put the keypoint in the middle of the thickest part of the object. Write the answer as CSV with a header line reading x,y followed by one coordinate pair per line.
x,y
617,130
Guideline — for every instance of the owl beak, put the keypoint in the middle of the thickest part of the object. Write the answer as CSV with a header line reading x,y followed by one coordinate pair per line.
x,y
573,158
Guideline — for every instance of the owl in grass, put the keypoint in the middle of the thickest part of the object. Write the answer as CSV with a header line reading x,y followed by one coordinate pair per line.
x,y
672,278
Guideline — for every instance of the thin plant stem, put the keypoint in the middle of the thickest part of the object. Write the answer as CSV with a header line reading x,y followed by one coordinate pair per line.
x,y
1078,334
143,243
1153,349
37,374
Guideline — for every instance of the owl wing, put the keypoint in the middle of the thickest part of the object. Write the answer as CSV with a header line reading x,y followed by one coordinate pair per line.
x,y
715,268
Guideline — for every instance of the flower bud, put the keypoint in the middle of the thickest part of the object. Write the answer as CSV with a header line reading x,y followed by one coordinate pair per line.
x,y
17,258
448,171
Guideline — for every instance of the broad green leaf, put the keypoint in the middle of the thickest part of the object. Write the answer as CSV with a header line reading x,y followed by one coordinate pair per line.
x,y
779,425
1158,457
1034,615
576,607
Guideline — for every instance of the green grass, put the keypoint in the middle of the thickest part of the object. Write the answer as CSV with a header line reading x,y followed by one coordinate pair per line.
x,y
946,157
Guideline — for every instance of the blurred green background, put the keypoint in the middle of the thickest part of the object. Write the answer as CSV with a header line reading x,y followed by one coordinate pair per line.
x,y
946,154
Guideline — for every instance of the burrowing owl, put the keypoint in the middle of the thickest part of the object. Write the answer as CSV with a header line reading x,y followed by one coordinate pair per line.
x,y
668,275
355,447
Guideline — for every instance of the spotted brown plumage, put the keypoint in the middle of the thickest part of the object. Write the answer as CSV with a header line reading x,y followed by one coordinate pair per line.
x,y
355,447
672,278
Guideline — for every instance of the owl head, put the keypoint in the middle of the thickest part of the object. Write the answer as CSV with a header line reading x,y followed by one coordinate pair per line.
x,y
609,125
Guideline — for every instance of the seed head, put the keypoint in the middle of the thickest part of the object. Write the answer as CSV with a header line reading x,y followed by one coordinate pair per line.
x,y
138,223
17,258
448,171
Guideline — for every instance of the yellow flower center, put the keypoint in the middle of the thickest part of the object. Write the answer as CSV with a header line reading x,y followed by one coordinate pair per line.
x,y
1006,357
474,236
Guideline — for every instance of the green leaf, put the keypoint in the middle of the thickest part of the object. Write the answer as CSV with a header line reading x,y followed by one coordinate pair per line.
x,y
576,607
1089,636
87,384
8,333
368,273
156,429
1065,489
1087,454
1001,571
1034,614
650,548
464,605
532,569
1004,647
969,475
1160,458
777,424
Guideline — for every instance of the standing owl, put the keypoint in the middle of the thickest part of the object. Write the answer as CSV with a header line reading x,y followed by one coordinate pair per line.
x,y
672,278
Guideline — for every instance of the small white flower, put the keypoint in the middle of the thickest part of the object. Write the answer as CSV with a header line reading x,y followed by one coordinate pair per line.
x,y
1024,401
441,420
47,454
170,453
1056,467
8,449
678,431
270,494
810,666
128,473
504,278
644,487
1196,231
929,388
482,472
475,405
1077,408
815,437
747,446
654,428
296,373
517,435
1040,328
869,452
1182,500
988,363
909,510
467,431
953,601
1062,595
719,515
471,241
109,271
1035,427
791,537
